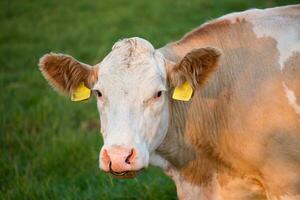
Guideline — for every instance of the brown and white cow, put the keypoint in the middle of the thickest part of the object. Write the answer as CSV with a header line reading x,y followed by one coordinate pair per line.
x,y
239,135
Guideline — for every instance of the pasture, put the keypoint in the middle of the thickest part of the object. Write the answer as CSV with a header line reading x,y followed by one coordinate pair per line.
x,y
49,146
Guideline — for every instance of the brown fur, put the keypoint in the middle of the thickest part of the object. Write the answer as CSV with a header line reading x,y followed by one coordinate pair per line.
x,y
251,130
240,188
65,73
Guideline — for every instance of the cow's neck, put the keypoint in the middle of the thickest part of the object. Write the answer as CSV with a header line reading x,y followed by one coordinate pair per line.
x,y
189,142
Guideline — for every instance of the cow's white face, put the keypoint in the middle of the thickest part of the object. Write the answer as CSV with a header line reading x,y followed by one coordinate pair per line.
x,y
133,105
132,96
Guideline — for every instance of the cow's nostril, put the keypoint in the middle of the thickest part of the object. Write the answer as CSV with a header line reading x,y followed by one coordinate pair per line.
x,y
118,159
127,160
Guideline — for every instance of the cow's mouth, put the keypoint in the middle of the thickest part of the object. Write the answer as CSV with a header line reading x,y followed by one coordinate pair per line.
x,y
125,174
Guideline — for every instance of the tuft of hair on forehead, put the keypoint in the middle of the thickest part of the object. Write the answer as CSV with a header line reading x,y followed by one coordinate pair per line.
x,y
134,44
133,50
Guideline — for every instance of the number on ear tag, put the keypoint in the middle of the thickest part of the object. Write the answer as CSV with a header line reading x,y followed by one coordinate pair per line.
x,y
183,92
81,93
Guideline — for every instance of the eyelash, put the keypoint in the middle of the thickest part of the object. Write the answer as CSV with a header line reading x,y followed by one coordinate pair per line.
x,y
158,94
98,93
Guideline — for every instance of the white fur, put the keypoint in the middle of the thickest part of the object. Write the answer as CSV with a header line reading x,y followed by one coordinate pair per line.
x,y
286,36
158,161
129,78
290,94
188,191
185,190
285,30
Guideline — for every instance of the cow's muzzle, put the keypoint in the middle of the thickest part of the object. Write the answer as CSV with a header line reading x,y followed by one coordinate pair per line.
x,y
125,174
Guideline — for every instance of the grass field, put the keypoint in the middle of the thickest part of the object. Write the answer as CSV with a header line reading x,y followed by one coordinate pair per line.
x,y
49,146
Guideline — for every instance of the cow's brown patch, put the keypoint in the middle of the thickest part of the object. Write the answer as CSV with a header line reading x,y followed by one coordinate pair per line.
x,y
204,31
65,73
281,154
175,148
250,103
233,187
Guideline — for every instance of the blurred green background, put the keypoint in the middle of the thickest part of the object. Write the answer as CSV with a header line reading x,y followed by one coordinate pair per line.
x,y
49,146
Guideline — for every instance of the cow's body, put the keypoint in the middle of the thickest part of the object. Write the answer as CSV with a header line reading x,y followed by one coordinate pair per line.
x,y
245,124
239,135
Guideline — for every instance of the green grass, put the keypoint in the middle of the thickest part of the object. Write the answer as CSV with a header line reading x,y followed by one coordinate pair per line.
x,y
49,146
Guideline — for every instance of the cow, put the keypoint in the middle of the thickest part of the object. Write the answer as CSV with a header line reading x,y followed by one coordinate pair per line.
x,y
234,130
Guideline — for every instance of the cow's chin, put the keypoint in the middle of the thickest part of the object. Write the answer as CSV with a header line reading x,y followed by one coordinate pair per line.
x,y
126,174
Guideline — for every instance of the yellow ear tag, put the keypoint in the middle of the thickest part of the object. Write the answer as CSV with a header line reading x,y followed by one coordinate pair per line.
x,y
81,93
183,92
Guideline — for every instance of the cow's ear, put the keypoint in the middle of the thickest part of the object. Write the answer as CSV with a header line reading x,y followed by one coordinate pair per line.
x,y
64,73
195,67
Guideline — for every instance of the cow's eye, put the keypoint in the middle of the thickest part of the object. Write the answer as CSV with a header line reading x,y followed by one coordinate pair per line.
x,y
98,93
158,94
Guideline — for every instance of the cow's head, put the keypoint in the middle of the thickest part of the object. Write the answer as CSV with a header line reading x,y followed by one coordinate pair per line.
x,y
132,86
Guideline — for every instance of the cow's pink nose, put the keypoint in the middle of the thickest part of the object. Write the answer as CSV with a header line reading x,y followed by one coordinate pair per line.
x,y
118,159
